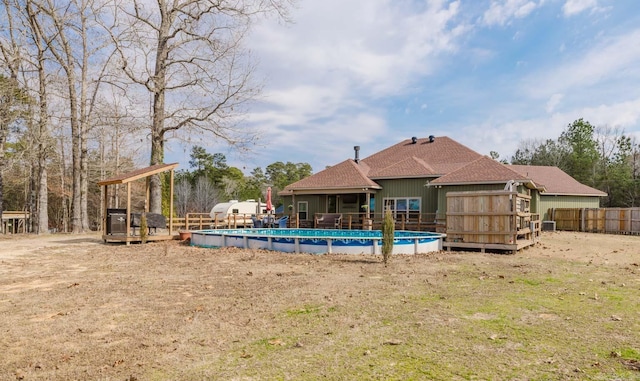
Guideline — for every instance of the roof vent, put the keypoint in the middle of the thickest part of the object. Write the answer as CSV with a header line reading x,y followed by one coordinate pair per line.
x,y
357,152
432,138
414,140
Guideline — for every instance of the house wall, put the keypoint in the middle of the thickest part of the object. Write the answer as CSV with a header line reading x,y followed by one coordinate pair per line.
x,y
407,188
552,201
317,204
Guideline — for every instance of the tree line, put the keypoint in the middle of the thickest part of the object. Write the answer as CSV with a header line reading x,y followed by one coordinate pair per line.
x,y
89,86
210,181
604,158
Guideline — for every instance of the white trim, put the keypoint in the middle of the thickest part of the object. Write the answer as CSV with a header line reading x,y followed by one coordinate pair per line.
x,y
298,209
407,199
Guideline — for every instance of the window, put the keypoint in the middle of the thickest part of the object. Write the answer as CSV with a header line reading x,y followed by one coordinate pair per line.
x,y
332,202
303,208
403,206
350,198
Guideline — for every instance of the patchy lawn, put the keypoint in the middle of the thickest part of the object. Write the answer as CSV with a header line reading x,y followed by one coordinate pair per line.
x,y
74,308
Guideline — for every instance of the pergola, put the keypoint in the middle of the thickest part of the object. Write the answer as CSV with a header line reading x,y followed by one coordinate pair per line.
x,y
14,221
128,178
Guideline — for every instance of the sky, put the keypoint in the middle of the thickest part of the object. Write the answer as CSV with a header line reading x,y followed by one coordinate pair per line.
x,y
486,73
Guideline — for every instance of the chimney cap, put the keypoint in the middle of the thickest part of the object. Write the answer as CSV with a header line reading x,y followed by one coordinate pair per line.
x,y
414,140
431,138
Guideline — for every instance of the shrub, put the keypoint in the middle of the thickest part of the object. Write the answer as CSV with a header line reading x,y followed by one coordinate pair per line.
x,y
388,231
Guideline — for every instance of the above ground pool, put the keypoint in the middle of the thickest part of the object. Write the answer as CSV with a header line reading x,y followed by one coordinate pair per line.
x,y
318,241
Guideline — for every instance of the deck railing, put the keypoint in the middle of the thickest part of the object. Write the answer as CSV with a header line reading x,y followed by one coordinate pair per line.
x,y
351,221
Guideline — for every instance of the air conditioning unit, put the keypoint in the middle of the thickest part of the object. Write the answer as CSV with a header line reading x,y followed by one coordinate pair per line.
x,y
548,226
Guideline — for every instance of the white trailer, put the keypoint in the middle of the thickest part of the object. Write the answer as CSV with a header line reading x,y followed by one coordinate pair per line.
x,y
237,213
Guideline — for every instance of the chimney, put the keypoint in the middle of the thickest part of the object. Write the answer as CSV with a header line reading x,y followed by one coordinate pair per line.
x,y
357,151
432,138
414,140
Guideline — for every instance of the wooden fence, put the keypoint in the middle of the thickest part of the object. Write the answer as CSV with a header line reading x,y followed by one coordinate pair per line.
x,y
597,220
499,220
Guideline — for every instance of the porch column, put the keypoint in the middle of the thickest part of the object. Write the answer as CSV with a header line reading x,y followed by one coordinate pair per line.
x,y
368,198
294,214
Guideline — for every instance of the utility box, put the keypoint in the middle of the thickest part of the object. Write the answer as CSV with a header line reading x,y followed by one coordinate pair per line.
x,y
116,221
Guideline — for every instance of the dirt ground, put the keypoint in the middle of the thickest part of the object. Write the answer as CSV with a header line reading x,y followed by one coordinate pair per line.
x,y
72,307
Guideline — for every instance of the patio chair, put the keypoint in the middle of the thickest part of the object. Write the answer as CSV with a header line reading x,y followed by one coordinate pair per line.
x,y
282,222
256,222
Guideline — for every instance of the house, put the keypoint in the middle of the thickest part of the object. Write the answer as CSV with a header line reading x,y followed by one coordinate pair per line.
x,y
412,178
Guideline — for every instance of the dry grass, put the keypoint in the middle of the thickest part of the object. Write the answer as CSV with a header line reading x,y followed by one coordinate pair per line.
x,y
72,308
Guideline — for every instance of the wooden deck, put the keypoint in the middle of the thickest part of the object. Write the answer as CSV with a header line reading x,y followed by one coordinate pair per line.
x,y
135,239
511,248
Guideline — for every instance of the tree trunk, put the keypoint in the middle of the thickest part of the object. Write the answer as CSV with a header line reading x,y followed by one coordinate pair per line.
x,y
42,192
157,128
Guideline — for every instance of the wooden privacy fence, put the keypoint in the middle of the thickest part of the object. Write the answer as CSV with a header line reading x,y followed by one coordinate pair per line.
x,y
597,220
499,220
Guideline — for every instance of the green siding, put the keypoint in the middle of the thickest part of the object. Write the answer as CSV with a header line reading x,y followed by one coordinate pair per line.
x,y
407,188
434,199
547,202
317,203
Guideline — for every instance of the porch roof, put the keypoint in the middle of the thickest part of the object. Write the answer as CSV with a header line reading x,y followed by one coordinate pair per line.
x,y
124,178
347,176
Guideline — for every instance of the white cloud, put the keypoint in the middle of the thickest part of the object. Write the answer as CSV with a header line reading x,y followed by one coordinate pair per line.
x,y
553,102
573,7
504,136
378,46
327,73
616,58
502,12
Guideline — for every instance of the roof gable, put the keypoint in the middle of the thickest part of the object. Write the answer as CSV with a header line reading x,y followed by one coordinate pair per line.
x,y
482,170
556,181
410,165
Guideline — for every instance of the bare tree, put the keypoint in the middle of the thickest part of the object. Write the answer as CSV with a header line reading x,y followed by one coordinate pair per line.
x,y
188,56
22,54
66,29
182,197
205,195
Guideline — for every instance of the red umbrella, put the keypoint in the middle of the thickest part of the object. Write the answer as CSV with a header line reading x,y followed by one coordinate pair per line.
x,y
269,204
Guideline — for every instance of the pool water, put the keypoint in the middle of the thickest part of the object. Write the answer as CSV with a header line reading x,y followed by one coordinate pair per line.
x,y
318,241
